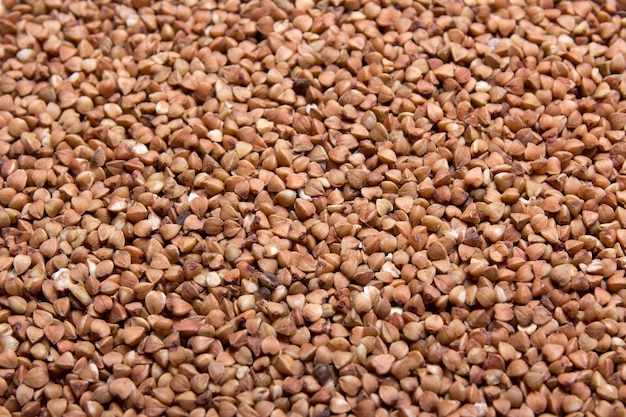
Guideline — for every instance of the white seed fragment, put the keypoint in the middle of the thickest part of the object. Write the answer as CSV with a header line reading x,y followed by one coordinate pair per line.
x,y
62,280
215,135
482,86
140,149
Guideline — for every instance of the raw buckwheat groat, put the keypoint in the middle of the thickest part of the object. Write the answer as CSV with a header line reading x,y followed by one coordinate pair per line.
x,y
386,208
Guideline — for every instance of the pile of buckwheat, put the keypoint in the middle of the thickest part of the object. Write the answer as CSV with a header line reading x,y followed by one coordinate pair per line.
x,y
349,208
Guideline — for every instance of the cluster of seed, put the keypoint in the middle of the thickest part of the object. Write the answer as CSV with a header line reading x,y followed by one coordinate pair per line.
x,y
273,208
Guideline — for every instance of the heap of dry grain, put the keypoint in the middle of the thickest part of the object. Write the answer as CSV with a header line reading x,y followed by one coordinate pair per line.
x,y
267,209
